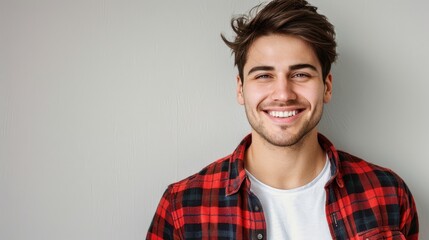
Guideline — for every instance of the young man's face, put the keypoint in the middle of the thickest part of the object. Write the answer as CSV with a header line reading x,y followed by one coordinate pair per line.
x,y
283,91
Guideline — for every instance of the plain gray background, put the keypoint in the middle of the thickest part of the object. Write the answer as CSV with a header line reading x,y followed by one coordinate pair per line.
x,y
104,103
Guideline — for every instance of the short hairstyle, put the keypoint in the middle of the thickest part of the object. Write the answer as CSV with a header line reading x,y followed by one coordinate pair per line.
x,y
290,17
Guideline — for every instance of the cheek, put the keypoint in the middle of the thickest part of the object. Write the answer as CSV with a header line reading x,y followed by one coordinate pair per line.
x,y
313,92
254,94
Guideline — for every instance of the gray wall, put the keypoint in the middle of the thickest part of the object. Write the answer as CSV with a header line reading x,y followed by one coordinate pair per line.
x,y
104,103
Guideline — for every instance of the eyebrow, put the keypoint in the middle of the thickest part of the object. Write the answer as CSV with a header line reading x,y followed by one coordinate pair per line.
x,y
292,67
260,68
303,65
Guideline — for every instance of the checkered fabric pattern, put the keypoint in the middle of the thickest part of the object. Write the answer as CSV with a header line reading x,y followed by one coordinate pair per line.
x,y
364,201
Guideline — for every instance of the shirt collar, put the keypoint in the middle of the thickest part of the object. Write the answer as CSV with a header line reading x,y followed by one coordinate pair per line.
x,y
334,158
237,173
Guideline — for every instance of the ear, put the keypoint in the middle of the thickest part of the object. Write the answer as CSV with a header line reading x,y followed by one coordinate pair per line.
x,y
240,98
328,89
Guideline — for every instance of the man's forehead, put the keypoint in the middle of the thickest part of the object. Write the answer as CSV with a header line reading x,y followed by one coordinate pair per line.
x,y
279,50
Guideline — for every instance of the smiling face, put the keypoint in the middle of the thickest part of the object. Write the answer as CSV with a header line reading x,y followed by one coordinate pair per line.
x,y
283,91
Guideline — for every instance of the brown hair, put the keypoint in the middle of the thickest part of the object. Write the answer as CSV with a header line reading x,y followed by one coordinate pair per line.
x,y
291,17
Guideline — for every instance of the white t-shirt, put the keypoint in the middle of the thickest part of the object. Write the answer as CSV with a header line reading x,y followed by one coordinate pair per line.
x,y
296,213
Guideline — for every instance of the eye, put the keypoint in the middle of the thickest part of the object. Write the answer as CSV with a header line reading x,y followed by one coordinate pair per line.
x,y
301,76
262,76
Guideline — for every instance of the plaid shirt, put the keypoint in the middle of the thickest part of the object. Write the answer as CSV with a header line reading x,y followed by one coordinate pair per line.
x,y
364,201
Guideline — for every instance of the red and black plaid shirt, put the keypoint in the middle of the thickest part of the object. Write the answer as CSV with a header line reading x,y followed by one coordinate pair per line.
x,y
364,201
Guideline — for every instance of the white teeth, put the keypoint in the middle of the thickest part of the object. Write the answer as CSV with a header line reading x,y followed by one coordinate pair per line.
x,y
282,114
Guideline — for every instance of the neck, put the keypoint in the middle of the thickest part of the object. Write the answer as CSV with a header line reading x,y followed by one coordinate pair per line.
x,y
285,167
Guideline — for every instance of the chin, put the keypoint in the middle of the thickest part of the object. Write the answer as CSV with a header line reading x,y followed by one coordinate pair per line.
x,y
286,139
284,142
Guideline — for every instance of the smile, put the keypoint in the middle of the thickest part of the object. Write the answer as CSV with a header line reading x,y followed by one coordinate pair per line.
x,y
282,114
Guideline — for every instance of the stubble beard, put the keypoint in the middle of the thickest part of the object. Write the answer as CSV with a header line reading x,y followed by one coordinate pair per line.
x,y
281,138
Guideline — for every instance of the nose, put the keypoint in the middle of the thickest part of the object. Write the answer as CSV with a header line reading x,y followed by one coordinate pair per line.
x,y
283,90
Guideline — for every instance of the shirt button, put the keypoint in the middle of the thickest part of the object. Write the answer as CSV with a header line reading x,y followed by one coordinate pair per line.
x,y
256,208
260,236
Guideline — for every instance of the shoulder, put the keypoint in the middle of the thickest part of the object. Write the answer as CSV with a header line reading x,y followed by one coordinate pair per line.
x,y
214,175
351,164
361,174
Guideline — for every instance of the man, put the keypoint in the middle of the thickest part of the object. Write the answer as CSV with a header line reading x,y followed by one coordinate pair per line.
x,y
285,180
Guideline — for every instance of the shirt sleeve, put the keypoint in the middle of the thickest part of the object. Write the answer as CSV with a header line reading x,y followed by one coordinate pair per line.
x,y
162,226
409,218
